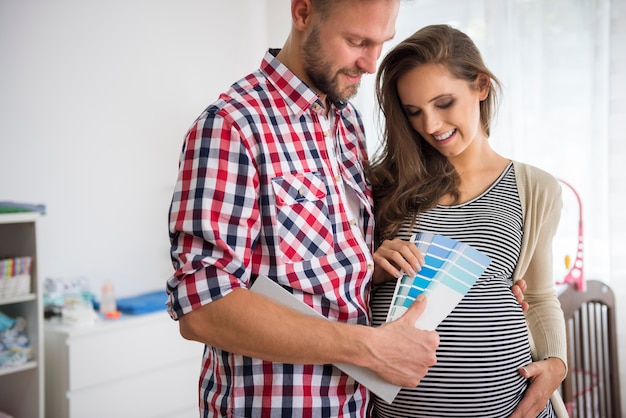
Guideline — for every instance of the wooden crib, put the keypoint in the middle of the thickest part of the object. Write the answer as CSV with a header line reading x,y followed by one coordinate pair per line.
x,y
591,388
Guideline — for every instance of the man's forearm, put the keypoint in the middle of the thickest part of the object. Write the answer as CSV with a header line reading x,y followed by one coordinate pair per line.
x,y
249,324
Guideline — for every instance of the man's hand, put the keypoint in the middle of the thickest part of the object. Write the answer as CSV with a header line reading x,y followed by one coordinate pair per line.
x,y
401,353
545,377
394,257
518,290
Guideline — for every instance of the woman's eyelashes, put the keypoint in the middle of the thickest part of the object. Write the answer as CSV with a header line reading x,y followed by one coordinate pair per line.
x,y
445,104
413,112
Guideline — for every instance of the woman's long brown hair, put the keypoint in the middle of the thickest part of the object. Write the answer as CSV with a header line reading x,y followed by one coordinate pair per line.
x,y
407,174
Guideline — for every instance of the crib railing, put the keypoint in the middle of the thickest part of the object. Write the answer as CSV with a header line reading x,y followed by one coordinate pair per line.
x,y
591,387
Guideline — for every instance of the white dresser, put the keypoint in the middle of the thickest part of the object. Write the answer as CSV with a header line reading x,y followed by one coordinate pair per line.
x,y
135,366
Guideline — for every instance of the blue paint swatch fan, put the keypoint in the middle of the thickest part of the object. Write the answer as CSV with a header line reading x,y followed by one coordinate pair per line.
x,y
451,269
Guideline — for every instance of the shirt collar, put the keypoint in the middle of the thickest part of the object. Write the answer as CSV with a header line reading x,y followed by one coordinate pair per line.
x,y
297,94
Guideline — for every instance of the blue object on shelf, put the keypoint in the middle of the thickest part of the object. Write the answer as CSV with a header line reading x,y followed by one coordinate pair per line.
x,y
6,322
140,304
144,303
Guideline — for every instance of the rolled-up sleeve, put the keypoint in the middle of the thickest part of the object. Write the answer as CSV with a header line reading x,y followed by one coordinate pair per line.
x,y
214,216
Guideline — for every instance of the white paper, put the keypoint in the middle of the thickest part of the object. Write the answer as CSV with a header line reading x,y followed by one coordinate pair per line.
x,y
270,289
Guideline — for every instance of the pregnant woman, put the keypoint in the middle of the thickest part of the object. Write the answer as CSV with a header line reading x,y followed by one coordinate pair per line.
x,y
437,172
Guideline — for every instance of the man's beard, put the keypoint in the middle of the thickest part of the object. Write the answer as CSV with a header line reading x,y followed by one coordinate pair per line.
x,y
318,69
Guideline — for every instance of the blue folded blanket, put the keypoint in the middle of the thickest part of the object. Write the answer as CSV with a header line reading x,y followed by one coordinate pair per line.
x,y
141,304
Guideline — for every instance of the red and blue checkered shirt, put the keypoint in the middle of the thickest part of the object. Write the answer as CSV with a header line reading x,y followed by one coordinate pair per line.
x,y
263,179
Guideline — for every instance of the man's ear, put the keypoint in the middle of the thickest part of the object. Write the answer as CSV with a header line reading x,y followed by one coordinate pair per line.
x,y
301,13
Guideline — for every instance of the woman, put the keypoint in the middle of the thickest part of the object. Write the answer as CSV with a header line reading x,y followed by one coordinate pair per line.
x,y
437,172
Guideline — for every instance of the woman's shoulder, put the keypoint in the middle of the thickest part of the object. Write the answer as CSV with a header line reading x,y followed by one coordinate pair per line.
x,y
534,176
536,185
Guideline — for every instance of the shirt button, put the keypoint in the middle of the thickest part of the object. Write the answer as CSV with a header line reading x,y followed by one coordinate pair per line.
x,y
352,222
370,267
325,134
337,179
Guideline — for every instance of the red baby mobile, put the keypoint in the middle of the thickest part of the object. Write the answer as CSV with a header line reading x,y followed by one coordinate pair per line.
x,y
575,273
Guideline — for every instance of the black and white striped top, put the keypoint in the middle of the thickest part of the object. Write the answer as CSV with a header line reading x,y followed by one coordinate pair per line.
x,y
484,341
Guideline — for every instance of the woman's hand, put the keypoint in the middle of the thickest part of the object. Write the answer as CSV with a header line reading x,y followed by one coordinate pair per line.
x,y
394,258
518,290
545,377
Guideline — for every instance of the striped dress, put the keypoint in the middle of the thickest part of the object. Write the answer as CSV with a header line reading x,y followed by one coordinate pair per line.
x,y
484,340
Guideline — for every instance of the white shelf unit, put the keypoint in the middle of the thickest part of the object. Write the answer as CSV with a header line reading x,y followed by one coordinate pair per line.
x,y
21,393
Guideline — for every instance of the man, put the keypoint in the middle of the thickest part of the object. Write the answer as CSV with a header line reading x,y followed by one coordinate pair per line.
x,y
271,183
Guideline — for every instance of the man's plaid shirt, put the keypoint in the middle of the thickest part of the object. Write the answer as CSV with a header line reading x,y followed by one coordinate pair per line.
x,y
259,192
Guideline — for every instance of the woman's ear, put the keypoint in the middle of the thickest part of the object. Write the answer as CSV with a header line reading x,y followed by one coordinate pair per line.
x,y
483,82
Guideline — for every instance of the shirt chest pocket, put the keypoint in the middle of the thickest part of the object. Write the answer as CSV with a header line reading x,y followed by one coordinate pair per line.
x,y
304,226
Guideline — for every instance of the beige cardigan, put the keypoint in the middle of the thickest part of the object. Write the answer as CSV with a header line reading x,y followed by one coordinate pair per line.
x,y
540,195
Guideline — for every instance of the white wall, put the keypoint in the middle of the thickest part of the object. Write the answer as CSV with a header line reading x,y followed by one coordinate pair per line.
x,y
617,176
95,99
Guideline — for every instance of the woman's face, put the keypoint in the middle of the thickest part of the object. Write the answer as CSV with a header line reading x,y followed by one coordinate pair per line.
x,y
443,109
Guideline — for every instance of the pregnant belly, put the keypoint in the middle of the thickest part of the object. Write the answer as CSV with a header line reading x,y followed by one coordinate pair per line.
x,y
484,342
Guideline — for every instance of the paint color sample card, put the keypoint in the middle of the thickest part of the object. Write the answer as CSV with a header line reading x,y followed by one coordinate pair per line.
x,y
451,268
